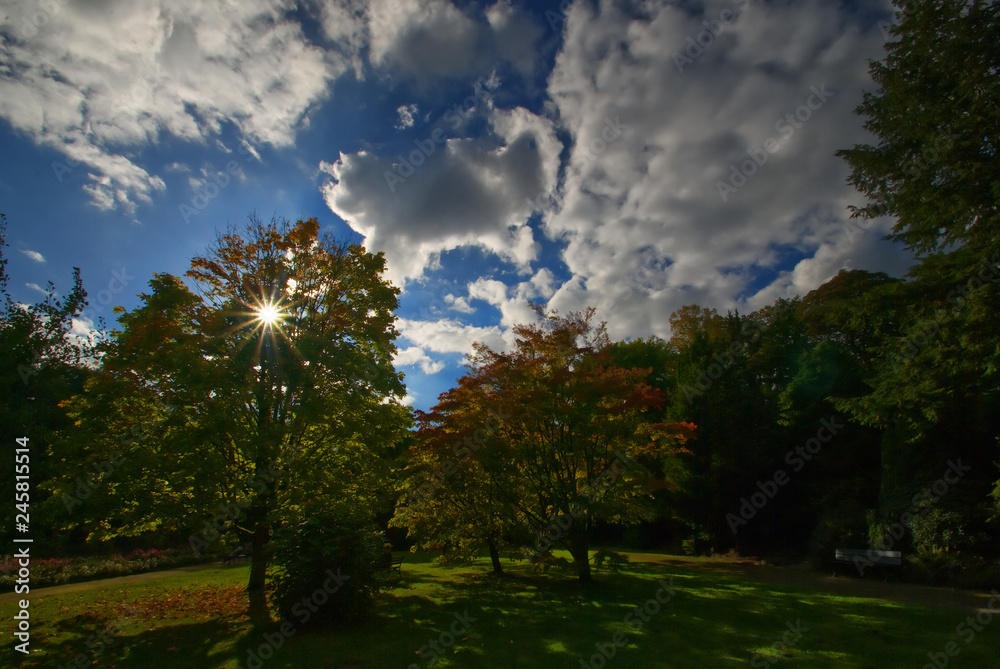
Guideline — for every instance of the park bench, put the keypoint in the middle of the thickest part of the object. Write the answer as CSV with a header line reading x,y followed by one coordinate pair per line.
x,y
237,554
396,564
862,558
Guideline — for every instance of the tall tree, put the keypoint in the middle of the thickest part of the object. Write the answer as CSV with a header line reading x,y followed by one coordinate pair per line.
x,y
575,444
936,170
281,363
935,114
43,363
455,492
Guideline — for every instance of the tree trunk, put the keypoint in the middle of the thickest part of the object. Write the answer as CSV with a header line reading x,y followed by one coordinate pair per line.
x,y
495,557
256,593
581,555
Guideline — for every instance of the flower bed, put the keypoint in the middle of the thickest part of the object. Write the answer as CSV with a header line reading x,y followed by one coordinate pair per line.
x,y
56,571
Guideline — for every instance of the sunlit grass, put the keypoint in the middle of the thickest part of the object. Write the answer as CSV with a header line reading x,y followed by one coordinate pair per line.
x,y
528,620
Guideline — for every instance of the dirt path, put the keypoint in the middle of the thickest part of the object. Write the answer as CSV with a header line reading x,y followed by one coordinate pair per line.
x,y
38,593
874,588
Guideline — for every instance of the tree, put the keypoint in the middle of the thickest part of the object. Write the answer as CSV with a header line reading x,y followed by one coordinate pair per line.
x,y
572,444
453,492
936,117
279,368
43,363
935,386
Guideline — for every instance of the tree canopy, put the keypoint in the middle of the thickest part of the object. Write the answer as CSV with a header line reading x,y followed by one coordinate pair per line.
x,y
279,367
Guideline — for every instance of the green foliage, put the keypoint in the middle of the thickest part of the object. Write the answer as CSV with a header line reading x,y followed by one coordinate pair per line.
x,y
935,114
308,556
227,413
547,438
42,364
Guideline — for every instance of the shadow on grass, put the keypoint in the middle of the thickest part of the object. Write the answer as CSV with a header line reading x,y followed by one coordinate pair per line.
x,y
537,621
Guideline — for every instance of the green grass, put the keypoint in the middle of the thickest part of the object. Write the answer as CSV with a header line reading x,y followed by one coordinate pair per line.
x,y
525,620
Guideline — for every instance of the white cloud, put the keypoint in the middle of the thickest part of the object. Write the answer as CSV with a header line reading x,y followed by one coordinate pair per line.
x,y
433,40
467,192
414,355
448,335
459,304
99,82
639,207
35,286
34,255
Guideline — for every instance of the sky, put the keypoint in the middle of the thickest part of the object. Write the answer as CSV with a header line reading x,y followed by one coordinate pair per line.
x,y
633,156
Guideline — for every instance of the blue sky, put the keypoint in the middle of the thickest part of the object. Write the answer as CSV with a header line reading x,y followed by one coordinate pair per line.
x,y
634,157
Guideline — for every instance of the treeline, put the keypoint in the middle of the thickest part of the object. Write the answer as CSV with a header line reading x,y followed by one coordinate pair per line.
x,y
851,417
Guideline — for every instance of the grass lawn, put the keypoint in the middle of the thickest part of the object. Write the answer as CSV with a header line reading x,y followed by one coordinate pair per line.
x,y
526,620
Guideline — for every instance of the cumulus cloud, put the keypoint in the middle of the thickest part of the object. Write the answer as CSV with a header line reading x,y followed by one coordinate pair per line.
x,y
99,82
449,335
661,202
414,355
450,193
431,41
34,255
459,304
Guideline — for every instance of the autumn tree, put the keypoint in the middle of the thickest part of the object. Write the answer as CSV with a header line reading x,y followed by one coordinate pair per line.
x,y
454,494
278,367
573,443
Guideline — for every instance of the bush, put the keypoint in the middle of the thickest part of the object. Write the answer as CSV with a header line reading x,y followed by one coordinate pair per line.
x,y
308,557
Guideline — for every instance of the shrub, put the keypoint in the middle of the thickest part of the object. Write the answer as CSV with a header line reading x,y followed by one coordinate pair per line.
x,y
307,554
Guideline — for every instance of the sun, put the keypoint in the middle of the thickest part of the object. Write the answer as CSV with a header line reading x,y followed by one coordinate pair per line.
x,y
268,314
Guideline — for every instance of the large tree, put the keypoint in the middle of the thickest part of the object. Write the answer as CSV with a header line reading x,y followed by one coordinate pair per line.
x,y
280,365
571,441
455,495
936,169
935,114
43,363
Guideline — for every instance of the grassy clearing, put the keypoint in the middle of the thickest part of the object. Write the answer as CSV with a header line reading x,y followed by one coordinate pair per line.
x,y
525,620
